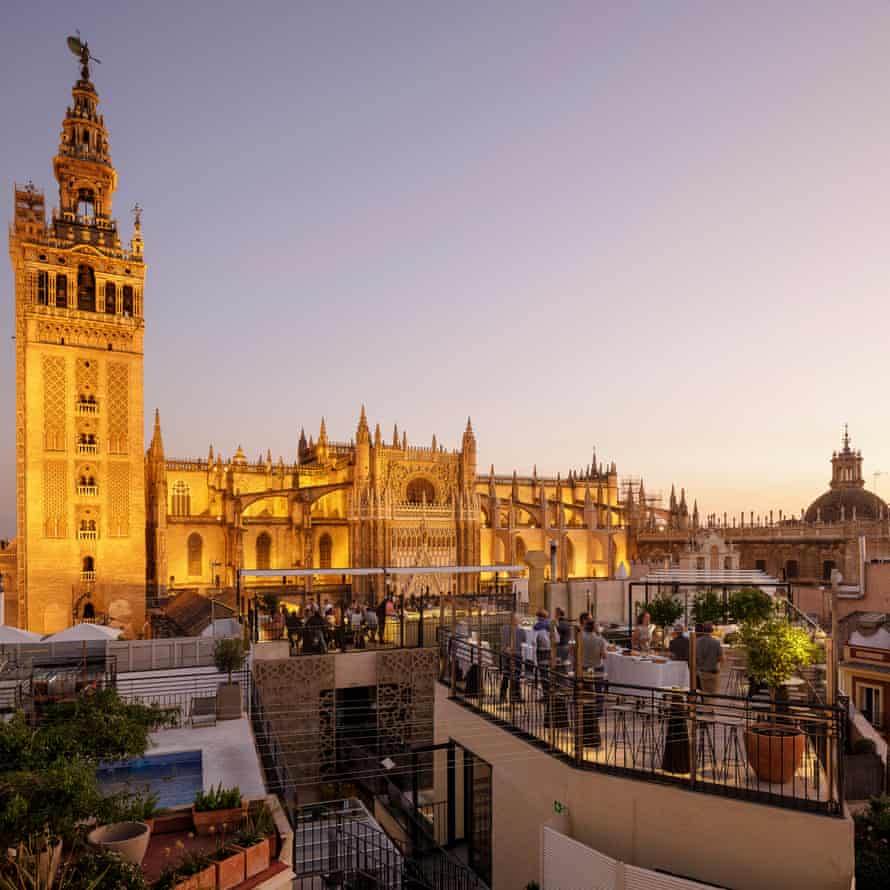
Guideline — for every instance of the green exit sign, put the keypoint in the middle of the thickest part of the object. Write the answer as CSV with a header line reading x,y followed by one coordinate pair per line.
x,y
559,807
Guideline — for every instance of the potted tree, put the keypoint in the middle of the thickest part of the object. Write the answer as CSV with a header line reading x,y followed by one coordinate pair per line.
x,y
228,656
776,649
750,605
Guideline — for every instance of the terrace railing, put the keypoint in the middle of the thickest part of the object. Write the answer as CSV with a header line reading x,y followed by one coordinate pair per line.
x,y
670,736
180,689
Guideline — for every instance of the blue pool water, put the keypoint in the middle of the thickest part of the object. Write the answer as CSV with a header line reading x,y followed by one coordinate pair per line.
x,y
176,778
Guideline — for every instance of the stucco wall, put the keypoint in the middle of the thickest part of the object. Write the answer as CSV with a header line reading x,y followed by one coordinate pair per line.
x,y
733,844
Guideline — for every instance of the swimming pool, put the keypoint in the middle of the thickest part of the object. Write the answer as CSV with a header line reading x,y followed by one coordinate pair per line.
x,y
175,778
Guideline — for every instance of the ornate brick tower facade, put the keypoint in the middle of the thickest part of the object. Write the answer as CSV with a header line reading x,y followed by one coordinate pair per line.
x,y
79,424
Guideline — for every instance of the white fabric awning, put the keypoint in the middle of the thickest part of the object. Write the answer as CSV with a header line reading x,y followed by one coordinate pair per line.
x,y
706,576
11,635
78,633
389,570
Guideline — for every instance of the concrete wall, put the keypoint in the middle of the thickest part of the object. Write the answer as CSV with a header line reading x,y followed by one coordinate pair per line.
x,y
608,597
733,844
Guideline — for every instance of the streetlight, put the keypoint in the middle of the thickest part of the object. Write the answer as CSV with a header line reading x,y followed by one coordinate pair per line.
x,y
214,564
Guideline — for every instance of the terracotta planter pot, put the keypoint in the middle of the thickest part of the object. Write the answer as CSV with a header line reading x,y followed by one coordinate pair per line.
x,y
128,839
228,701
202,880
232,819
169,823
775,752
230,871
256,857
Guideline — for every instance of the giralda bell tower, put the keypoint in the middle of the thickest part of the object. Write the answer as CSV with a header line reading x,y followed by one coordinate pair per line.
x,y
79,426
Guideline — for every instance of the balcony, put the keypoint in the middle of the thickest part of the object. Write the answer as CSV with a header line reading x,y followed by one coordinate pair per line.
x,y
88,577
87,491
87,535
84,408
87,448
667,736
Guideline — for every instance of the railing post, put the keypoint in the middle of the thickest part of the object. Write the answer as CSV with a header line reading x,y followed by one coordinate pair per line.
x,y
551,676
693,696
579,696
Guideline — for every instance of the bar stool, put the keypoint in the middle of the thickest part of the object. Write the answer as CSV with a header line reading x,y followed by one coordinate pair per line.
x,y
734,764
649,750
621,734
736,681
705,743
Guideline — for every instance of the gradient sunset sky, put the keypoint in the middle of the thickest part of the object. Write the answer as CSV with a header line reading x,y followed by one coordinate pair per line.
x,y
660,229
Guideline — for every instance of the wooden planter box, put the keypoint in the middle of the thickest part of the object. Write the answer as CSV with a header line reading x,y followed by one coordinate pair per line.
x,y
230,871
232,819
181,820
257,857
203,880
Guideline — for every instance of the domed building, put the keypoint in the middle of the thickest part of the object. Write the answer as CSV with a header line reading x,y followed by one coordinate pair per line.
x,y
846,498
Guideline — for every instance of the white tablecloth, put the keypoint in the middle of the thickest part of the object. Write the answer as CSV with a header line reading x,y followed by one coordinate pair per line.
x,y
631,669
529,652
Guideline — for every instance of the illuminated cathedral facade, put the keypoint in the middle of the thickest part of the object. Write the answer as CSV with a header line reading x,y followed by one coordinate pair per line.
x,y
101,521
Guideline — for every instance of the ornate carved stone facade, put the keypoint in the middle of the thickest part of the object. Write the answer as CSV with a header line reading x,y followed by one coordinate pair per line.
x,y
79,329
370,503
299,699
406,681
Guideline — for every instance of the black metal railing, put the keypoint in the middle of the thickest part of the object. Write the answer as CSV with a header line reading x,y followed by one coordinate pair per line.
x,y
782,753
180,690
338,845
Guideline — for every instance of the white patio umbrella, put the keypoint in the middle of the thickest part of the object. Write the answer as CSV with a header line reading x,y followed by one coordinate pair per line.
x,y
84,633
10,635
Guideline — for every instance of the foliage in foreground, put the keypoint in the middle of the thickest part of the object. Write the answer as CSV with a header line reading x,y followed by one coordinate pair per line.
x,y
48,770
873,844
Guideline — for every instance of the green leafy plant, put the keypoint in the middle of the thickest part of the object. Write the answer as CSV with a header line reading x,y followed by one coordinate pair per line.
x,y
255,829
107,869
229,655
872,844
48,769
218,798
708,606
664,610
776,650
750,605
191,863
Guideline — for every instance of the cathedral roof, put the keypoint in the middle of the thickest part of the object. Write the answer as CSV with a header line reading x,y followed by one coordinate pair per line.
x,y
828,506
847,490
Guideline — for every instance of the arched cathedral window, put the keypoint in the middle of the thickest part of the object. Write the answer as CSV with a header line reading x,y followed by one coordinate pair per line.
x,y
195,555
325,549
42,288
420,490
110,298
180,502
127,300
61,290
86,289
263,551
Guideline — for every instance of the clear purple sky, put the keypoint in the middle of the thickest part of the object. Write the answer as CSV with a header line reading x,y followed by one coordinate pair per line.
x,y
661,229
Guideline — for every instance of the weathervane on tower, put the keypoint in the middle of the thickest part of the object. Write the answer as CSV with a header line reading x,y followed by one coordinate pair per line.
x,y
81,49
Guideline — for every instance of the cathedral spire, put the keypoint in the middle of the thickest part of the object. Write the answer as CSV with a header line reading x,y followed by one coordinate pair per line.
x,y
377,437
156,448
395,435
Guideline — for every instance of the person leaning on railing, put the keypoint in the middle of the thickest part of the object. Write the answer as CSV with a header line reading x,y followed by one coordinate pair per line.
x,y
542,650
510,658
708,658
593,661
